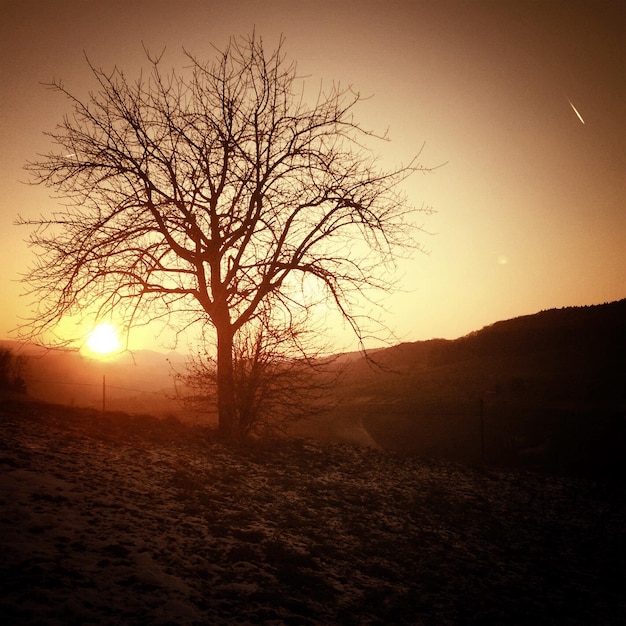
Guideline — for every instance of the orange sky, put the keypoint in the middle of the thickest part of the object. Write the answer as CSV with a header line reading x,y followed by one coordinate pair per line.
x,y
531,206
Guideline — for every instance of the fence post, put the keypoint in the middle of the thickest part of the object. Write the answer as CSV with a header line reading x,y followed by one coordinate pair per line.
x,y
482,429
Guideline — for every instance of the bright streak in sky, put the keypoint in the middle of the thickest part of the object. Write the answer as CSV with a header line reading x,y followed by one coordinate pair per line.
x,y
580,117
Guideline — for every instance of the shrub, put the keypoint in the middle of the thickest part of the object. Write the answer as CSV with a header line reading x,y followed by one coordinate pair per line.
x,y
12,371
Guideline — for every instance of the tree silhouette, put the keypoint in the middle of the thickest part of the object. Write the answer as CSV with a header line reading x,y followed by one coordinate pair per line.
x,y
209,194
280,375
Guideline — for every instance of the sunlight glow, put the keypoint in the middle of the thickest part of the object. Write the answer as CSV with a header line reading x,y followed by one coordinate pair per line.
x,y
103,339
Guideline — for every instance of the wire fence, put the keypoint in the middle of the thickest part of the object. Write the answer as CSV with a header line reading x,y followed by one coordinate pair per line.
x,y
99,385
161,400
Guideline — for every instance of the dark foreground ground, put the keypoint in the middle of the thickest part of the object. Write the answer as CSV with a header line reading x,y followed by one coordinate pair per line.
x,y
118,520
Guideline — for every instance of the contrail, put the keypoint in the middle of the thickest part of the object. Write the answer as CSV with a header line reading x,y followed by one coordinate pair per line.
x,y
580,117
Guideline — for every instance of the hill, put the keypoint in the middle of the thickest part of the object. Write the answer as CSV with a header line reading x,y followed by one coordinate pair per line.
x,y
123,520
546,389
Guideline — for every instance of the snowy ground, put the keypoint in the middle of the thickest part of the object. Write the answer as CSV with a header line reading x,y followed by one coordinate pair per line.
x,y
130,521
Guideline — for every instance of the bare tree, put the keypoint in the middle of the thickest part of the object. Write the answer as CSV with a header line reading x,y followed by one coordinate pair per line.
x,y
281,375
206,194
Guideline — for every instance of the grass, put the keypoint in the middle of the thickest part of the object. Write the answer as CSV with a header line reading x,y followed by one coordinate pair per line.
x,y
113,519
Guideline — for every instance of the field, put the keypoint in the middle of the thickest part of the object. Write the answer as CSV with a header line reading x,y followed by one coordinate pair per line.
x,y
120,520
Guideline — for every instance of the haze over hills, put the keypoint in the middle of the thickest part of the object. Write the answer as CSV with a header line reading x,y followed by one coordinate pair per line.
x,y
137,382
545,390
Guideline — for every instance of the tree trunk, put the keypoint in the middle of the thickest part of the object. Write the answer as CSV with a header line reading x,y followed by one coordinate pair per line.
x,y
226,410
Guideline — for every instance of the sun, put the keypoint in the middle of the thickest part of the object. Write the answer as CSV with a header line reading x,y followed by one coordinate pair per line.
x,y
103,339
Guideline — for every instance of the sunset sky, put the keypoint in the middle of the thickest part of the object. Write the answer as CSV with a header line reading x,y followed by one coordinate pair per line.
x,y
524,101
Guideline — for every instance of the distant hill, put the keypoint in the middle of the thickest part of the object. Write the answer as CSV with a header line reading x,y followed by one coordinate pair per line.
x,y
549,388
137,382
